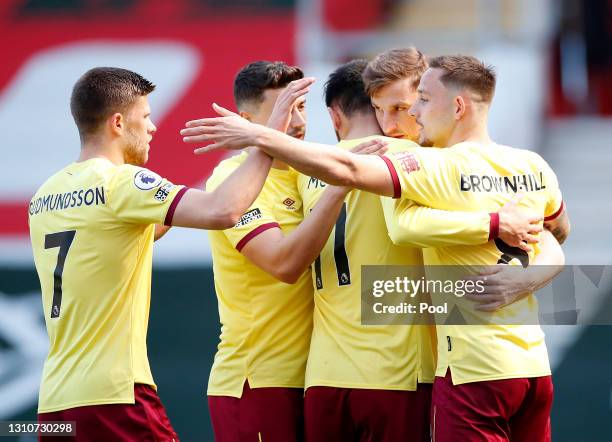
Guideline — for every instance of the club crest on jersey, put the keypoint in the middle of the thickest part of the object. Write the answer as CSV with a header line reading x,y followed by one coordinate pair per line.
x,y
147,180
408,161
248,217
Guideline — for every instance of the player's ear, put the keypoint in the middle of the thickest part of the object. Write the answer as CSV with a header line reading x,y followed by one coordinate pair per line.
x,y
336,118
460,107
116,123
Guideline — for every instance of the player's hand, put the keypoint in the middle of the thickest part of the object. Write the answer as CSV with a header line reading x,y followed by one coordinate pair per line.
x,y
376,146
519,227
501,285
287,100
228,131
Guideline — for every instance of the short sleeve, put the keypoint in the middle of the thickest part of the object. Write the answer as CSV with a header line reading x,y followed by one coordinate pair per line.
x,y
257,219
422,175
554,199
138,195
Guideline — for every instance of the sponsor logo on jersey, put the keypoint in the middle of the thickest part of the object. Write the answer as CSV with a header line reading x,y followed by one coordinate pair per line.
x,y
147,180
288,202
408,161
248,217
162,193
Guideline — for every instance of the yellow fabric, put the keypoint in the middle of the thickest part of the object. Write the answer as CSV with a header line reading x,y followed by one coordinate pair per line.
x,y
410,224
470,176
265,323
98,342
344,353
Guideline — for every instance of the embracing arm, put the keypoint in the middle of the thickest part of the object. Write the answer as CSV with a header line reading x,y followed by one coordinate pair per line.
x,y
223,207
504,284
328,163
286,257
331,164
410,224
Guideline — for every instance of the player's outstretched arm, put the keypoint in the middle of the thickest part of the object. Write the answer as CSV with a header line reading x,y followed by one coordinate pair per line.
x,y
413,225
286,257
328,163
223,207
504,284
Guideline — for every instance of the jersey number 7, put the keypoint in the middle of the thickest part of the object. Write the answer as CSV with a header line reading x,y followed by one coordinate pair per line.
x,y
63,240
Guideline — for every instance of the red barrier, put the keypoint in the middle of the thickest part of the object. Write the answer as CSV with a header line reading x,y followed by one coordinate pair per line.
x,y
226,43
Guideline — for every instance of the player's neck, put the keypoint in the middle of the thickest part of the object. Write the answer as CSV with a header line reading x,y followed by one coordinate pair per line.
x,y
97,149
361,127
477,133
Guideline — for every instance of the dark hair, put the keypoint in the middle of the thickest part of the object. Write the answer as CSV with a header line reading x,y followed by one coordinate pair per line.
x,y
392,65
253,79
345,88
102,91
467,72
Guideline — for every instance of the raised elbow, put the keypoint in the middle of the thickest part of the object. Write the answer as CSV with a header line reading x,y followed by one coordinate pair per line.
x,y
560,231
288,272
233,218
567,231
401,237
226,217
288,278
563,234
395,237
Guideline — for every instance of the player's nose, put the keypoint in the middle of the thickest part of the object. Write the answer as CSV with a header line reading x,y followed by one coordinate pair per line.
x,y
297,118
297,121
388,125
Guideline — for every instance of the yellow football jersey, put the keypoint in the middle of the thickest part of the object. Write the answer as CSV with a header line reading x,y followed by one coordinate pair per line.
x,y
470,176
343,352
92,227
265,323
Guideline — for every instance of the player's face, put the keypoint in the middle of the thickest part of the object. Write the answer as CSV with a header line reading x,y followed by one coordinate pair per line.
x,y
434,110
297,123
391,104
139,132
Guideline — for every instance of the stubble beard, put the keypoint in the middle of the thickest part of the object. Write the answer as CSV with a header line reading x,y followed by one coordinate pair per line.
x,y
135,152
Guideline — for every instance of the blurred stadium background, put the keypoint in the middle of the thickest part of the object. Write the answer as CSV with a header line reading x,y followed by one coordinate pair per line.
x,y
554,60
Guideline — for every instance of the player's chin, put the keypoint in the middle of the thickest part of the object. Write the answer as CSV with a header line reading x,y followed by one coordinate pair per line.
x,y
141,159
424,141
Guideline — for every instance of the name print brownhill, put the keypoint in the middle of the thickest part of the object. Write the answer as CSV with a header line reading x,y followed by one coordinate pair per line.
x,y
508,184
